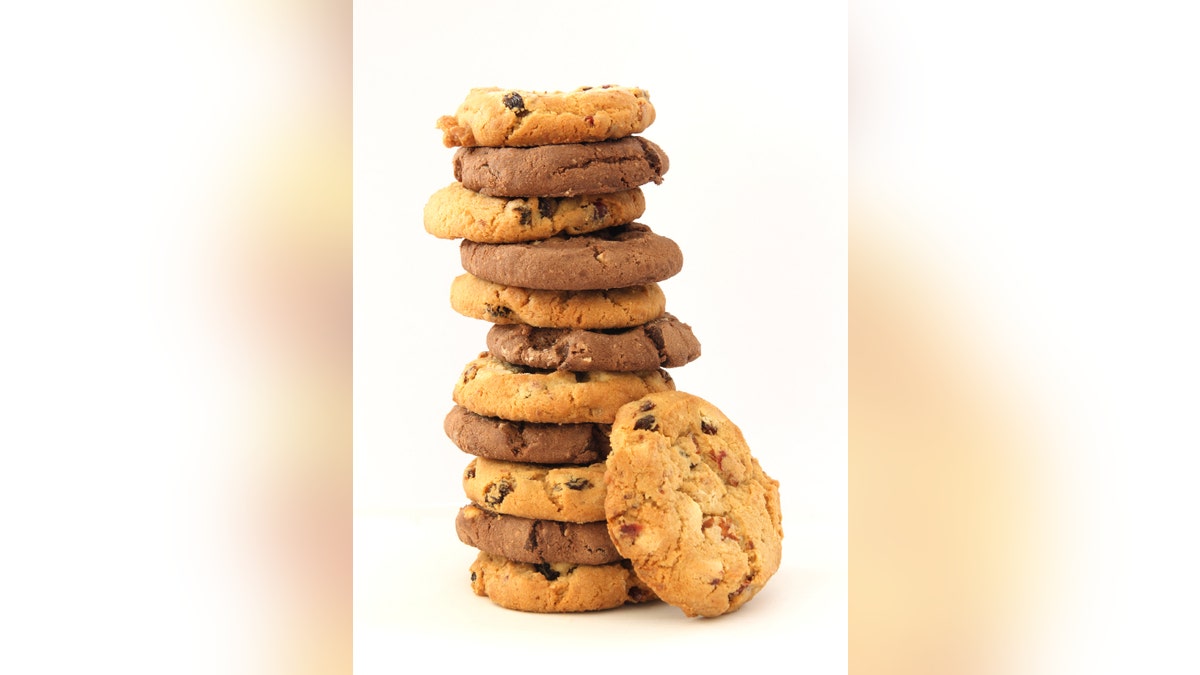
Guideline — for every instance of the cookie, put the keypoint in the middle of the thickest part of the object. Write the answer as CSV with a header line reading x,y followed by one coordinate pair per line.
x,y
689,506
665,342
454,212
514,441
589,310
535,541
518,118
561,170
573,494
556,587
616,257
495,388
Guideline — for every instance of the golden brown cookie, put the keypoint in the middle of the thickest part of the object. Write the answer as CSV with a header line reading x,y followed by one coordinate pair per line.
x,y
556,587
535,541
573,494
589,310
516,117
495,388
689,506
455,212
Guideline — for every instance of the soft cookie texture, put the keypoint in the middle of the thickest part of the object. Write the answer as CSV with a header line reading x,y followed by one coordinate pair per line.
x,y
454,212
561,170
616,257
515,441
535,541
590,310
665,342
689,506
556,587
573,494
494,388
516,117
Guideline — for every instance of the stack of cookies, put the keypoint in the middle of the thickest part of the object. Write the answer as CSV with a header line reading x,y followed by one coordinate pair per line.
x,y
545,200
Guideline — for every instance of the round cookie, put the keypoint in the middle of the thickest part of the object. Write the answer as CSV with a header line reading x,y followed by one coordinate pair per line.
x,y
616,257
454,212
561,170
556,587
519,118
495,388
535,541
514,441
689,506
573,494
665,342
590,310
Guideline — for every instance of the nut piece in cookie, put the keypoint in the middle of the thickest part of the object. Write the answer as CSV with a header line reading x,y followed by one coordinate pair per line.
x,y
689,505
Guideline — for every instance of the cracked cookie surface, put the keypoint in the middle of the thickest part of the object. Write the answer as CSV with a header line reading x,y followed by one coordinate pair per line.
x,y
535,541
665,342
689,505
561,170
491,387
573,494
490,116
616,257
556,587
597,309
454,212
515,441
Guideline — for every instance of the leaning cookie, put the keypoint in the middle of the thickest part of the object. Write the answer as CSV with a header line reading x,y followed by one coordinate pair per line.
x,y
561,170
590,310
689,506
519,118
535,541
454,212
515,441
494,388
616,257
556,587
573,494
665,342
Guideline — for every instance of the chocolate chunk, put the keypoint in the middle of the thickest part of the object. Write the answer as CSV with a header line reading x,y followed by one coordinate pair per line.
x,y
547,571
647,423
514,102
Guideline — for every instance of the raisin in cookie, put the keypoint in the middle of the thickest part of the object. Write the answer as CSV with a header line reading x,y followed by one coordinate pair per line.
x,y
515,441
556,587
590,310
535,541
689,506
573,494
454,212
616,257
494,388
518,118
665,342
561,170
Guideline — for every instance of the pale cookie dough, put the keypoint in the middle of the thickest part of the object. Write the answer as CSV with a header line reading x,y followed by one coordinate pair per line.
x,y
573,494
590,310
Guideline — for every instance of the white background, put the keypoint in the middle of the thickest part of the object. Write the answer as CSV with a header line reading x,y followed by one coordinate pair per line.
x,y
751,110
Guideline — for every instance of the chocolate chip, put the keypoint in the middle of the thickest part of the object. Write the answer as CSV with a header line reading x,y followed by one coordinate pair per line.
x,y
547,207
470,473
647,423
473,575
514,102
497,492
646,405
599,210
579,483
638,594
526,215
547,571
497,311
583,376
707,427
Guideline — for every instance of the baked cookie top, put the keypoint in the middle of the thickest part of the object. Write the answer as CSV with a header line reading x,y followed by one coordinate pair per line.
x,y
454,212
689,505
515,441
494,388
665,342
615,257
573,494
491,116
556,587
561,170
535,541
590,310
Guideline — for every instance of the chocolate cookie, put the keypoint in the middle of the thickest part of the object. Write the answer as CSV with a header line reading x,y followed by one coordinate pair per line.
x,y
616,257
514,441
535,541
556,587
689,506
454,212
495,388
665,342
561,170
590,310
573,494
518,118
